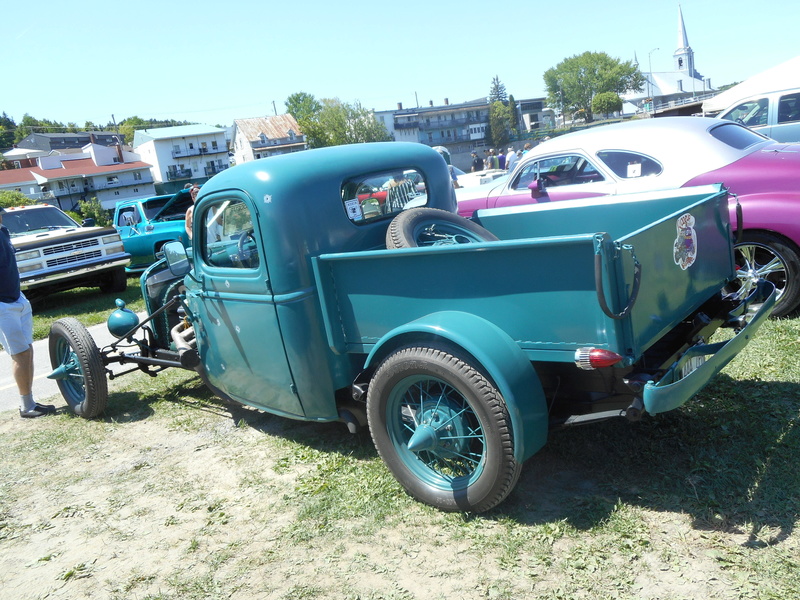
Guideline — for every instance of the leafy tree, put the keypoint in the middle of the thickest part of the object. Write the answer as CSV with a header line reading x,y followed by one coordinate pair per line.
x,y
7,127
497,92
512,105
92,209
14,198
606,103
574,82
30,125
334,122
303,107
500,124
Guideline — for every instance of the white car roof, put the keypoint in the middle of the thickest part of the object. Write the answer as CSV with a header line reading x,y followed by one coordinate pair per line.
x,y
682,145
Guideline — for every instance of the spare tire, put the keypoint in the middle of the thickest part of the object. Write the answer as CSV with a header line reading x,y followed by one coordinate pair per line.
x,y
417,227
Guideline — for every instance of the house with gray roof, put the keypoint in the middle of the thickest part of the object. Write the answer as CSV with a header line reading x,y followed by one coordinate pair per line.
x,y
260,137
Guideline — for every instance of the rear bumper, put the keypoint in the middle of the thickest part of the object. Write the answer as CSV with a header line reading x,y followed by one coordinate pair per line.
x,y
672,390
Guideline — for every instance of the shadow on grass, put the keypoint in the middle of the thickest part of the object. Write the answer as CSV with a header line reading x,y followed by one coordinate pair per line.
x,y
728,458
131,406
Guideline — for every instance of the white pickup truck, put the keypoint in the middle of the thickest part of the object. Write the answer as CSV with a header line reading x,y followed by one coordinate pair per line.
x,y
55,253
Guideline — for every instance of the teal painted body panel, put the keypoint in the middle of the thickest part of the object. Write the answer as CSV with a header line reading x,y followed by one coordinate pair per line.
x,y
511,283
627,230
673,390
502,358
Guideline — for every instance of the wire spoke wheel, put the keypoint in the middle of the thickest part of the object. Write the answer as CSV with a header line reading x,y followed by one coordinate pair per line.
x,y
418,227
78,368
442,429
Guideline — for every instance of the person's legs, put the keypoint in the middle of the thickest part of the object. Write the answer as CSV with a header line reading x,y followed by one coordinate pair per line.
x,y
22,370
16,337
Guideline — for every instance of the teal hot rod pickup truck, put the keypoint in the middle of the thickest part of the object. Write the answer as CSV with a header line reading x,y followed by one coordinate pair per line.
x,y
313,290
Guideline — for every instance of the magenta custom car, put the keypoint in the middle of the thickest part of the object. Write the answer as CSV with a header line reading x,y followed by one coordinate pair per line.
x,y
762,175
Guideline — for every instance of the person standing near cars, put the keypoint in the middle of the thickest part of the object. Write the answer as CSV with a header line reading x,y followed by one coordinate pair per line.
x,y
16,328
190,211
477,162
511,159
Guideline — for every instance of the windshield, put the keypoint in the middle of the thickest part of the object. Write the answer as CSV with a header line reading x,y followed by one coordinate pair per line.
x,y
22,222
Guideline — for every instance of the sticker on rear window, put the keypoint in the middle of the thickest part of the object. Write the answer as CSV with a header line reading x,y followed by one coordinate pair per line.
x,y
685,248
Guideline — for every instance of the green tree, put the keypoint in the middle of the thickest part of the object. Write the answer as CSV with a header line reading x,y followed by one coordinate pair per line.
x,y
303,107
497,93
14,198
30,125
92,209
500,124
7,127
337,123
575,81
512,105
606,103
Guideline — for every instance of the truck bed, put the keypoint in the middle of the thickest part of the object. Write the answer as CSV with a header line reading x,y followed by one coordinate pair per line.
x,y
538,283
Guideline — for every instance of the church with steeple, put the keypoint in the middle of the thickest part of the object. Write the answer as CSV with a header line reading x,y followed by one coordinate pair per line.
x,y
665,87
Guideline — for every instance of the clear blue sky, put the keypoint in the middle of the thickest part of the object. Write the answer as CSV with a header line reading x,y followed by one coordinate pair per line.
x,y
214,61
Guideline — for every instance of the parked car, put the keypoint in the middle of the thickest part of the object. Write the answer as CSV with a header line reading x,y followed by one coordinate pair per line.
x,y
145,225
774,114
763,177
54,253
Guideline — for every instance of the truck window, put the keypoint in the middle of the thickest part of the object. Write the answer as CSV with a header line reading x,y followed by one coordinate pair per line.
x,y
127,216
378,195
752,113
228,239
789,108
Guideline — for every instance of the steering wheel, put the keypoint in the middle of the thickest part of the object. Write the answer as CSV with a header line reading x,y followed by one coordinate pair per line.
x,y
242,251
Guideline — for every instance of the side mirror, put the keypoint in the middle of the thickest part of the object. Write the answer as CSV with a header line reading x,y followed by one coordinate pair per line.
x,y
87,223
537,188
177,259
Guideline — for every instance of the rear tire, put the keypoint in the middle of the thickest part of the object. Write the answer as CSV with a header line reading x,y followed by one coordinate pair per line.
x,y
443,430
83,384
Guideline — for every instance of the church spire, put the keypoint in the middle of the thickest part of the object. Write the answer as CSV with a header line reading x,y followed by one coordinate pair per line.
x,y
684,55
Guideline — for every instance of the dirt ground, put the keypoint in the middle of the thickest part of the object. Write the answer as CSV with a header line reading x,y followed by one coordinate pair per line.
x,y
194,499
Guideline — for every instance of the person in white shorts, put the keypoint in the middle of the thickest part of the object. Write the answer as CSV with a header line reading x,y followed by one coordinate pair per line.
x,y
16,328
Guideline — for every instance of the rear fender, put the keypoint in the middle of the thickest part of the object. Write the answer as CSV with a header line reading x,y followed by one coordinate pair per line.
x,y
497,355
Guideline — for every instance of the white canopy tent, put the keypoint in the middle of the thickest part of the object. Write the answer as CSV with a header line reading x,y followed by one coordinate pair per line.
x,y
780,77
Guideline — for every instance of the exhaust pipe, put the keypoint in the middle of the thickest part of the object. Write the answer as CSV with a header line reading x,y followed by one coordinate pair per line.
x,y
185,343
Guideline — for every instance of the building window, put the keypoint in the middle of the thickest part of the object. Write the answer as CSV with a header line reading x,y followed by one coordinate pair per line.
x,y
191,146
214,144
137,176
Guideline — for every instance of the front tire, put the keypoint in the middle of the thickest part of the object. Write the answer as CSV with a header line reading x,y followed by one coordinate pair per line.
x,y
443,430
82,378
433,227
768,256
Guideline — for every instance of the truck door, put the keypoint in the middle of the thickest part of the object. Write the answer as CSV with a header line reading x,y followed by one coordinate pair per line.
x,y
239,337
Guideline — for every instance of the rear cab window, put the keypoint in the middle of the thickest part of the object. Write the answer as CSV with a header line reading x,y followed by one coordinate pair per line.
x,y
382,195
